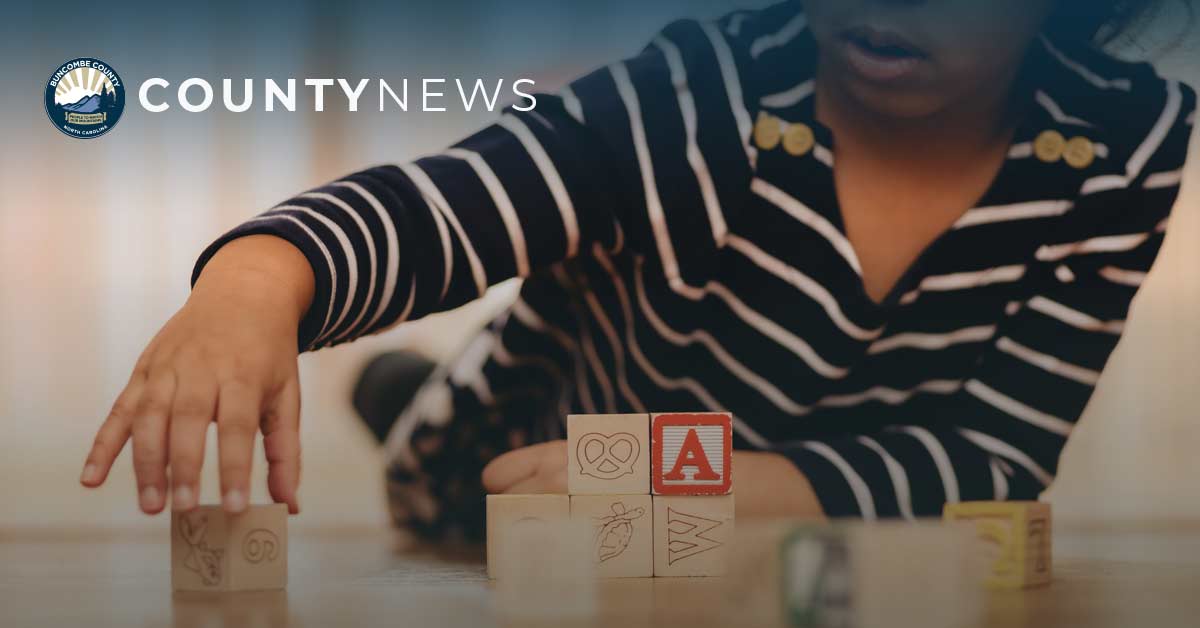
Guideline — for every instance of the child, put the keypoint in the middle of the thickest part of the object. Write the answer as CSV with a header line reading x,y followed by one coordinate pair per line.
x,y
914,315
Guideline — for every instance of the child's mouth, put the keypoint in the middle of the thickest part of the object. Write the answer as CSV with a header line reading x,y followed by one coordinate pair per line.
x,y
879,55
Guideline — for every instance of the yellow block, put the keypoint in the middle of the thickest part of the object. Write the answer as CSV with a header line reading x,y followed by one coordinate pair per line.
x,y
1018,533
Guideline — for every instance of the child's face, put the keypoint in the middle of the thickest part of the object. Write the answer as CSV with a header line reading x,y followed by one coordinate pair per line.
x,y
915,58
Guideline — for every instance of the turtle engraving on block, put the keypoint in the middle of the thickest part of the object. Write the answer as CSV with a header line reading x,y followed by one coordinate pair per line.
x,y
615,531
202,559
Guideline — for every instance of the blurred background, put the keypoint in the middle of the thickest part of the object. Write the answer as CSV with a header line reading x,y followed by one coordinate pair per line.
x,y
98,238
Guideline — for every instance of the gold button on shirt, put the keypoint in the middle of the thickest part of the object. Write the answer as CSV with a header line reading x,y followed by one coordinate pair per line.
x,y
1049,146
767,131
1079,152
798,139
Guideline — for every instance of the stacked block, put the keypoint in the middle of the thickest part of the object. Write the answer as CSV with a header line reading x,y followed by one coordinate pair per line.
x,y
1018,535
653,490
692,454
691,535
511,518
622,533
608,454
535,552
215,551
691,477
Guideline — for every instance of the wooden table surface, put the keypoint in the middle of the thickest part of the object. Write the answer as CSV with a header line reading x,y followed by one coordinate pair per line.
x,y
1128,576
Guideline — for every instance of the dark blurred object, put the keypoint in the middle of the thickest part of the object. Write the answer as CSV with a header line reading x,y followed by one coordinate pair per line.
x,y
386,386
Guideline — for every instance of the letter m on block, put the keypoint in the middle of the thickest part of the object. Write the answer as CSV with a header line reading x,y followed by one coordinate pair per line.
x,y
691,453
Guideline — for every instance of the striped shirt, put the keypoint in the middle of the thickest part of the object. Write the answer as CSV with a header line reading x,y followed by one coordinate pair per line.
x,y
671,263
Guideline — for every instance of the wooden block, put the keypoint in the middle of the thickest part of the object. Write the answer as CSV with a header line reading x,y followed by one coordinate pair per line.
x,y
540,560
622,533
692,534
870,574
258,559
608,454
1018,534
926,572
691,453
816,580
752,583
512,518
215,551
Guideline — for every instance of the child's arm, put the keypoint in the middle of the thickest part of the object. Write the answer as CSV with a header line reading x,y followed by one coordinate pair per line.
x,y
230,352
394,243
352,258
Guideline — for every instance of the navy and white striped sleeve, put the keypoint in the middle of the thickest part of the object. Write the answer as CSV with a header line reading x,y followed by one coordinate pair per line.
x,y
1001,435
393,243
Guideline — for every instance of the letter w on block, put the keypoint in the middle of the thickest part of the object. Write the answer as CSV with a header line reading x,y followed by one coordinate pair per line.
x,y
691,453
686,535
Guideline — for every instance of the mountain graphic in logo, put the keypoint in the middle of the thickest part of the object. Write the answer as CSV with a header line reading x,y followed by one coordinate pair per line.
x,y
87,104
85,97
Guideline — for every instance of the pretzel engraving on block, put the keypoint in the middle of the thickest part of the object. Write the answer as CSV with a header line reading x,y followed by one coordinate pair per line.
x,y
607,456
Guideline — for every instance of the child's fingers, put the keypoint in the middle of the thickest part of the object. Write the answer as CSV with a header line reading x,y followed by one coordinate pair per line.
x,y
194,405
501,474
540,483
238,410
509,468
150,441
111,437
281,441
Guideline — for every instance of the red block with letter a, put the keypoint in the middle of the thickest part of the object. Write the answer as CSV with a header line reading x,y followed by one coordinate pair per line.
x,y
691,453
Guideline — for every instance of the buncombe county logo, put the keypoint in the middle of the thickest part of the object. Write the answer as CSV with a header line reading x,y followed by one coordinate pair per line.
x,y
85,98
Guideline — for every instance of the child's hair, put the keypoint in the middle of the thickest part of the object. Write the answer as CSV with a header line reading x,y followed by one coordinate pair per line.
x,y
1104,22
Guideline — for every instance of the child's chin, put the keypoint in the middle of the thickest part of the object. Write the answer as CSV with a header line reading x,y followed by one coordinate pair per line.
x,y
899,102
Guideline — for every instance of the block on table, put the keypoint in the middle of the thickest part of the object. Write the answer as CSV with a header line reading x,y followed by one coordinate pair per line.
x,y
1018,535
515,522
692,534
816,576
691,453
608,454
870,574
540,560
622,527
212,550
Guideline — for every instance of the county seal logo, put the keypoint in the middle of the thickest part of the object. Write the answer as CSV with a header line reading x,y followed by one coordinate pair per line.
x,y
85,98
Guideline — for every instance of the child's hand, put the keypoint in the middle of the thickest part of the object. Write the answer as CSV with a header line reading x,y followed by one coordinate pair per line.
x,y
540,468
228,355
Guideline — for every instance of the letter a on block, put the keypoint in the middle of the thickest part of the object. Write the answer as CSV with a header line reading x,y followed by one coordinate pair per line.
x,y
691,453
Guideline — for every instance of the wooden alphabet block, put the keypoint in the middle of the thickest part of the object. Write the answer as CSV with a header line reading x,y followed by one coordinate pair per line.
x,y
870,574
215,551
816,577
692,453
1019,536
692,535
540,560
514,519
608,454
622,526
